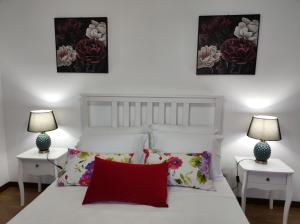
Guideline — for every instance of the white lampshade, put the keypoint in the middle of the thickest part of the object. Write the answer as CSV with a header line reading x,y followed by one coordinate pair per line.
x,y
41,121
265,128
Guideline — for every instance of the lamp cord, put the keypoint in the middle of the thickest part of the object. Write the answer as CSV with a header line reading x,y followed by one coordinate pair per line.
x,y
53,163
237,177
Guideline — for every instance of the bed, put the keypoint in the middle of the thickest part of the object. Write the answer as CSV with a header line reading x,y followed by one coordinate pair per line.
x,y
194,115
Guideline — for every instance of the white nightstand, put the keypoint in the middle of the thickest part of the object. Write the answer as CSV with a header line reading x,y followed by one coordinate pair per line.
x,y
275,175
31,162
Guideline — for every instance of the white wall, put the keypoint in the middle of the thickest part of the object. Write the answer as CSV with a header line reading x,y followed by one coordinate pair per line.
x,y
152,49
4,177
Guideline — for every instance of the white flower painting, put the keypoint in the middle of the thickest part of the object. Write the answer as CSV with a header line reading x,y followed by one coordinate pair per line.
x,y
81,45
227,44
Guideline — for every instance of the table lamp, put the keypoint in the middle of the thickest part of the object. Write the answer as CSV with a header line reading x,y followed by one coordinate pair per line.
x,y
264,128
42,121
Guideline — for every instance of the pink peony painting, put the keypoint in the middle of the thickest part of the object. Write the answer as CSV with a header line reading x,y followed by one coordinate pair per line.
x,y
227,44
81,45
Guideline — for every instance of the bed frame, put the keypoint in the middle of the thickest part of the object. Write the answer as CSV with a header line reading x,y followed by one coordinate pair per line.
x,y
108,111
103,110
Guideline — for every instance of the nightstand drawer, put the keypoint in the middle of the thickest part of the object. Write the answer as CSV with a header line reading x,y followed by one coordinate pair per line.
x,y
36,167
267,178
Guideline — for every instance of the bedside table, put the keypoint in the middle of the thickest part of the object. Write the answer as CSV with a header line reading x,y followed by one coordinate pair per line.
x,y
275,175
31,162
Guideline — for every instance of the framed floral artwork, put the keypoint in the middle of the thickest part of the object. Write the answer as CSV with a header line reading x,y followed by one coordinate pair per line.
x,y
81,44
227,44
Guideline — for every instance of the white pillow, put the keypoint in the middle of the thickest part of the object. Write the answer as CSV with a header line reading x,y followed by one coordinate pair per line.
x,y
115,143
185,140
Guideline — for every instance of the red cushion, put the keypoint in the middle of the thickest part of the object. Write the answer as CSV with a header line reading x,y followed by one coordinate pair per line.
x,y
134,183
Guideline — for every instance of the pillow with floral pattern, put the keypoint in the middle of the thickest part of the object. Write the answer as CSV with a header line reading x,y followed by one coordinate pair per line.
x,y
187,170
80,165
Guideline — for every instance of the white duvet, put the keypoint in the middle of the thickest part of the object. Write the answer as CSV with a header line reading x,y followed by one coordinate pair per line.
x,y
186,206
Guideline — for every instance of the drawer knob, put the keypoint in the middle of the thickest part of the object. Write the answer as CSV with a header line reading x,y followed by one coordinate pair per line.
x,y
36,165
267,179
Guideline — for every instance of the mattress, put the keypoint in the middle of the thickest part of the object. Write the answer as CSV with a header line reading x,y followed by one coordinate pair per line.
x,y
190,206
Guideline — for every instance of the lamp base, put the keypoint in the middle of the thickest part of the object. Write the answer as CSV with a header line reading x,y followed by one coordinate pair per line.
x,y
261,162
43,142
43,151
262,152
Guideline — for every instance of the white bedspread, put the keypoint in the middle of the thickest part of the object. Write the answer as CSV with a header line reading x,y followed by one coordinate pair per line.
x,y
186,206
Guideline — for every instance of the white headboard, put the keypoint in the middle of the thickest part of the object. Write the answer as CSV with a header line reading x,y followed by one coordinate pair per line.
x,y
100,110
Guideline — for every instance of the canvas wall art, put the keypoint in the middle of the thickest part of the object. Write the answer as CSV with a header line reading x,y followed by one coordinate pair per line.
x,y
227,44
81,44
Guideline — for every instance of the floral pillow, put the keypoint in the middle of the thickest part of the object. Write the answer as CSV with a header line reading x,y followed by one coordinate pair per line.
x,y
80,165
188,170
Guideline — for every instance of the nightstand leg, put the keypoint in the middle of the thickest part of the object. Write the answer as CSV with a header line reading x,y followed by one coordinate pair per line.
x,y
244,191
21,184
39,184
271,199
288,199
55,170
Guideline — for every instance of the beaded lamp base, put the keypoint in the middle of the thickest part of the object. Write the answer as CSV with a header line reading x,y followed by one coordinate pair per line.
x,y
43,142
262,152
